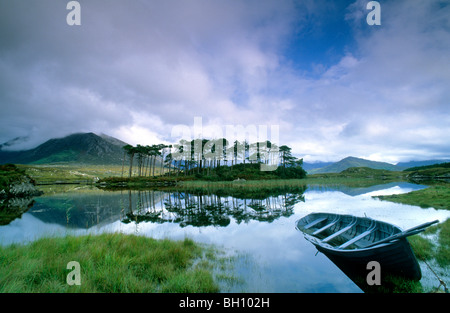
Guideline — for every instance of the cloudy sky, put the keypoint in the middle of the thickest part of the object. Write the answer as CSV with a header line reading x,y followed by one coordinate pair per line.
x,y
135,69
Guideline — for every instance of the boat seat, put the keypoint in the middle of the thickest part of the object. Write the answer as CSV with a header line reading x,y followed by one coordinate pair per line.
x,y
336,219
315,222
343,230
370,230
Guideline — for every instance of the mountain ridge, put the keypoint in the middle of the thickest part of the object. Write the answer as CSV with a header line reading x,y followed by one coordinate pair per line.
x,y
86,148
350,161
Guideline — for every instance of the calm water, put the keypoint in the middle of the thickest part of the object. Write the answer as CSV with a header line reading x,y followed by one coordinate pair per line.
x,y
272,256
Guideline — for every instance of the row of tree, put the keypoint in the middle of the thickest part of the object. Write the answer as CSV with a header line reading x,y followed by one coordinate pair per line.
x,y
146,158
203,156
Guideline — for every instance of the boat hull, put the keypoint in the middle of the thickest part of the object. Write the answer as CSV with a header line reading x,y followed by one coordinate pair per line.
x,y
351,243
396,258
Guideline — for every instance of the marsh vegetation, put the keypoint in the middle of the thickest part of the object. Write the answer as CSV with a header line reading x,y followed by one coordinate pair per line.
x,y
112,263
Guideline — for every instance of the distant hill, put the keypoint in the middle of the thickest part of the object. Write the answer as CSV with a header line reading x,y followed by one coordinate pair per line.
x,y
406,165
427,167
314,165
87,148
353,162
439,172
349,162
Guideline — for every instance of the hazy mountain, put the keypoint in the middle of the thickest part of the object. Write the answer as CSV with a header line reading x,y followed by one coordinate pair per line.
x,y
13,142
344,164
307,166
348,162
87,148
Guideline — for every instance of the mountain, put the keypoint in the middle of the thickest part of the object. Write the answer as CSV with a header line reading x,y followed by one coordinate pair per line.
x,y
348,162
406,165
13,142
353,162
307,166
87,148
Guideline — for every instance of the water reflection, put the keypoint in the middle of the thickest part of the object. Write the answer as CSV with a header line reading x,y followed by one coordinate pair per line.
x,y
260,224
13,208
81,208
88,208
209,209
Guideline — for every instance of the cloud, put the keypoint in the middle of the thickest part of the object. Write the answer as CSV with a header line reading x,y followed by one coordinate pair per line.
x,y
388,96
134,70
173,59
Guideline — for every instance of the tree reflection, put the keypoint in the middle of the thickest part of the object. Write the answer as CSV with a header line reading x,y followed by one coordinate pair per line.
x,y
13,208
200,208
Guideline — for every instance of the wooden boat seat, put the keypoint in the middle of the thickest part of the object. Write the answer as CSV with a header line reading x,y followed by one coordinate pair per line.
x,y
336,219
315,222
343,230
370,230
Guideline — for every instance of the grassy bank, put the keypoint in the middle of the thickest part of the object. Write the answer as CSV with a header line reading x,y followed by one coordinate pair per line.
x,y
436,196
14,182
193,184
357,177
439,250
9,173
70,173
114,174
425,248
108,263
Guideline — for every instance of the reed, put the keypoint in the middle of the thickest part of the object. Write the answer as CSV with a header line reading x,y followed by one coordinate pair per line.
x,y
108,263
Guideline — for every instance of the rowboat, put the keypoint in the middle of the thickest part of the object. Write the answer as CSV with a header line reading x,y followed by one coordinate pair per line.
x,y
352,242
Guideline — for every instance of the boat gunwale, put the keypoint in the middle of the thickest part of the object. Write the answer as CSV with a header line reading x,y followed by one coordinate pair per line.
x,y
318,242
329,247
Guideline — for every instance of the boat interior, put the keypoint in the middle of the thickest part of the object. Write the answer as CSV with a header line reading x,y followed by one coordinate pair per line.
x,y
345,231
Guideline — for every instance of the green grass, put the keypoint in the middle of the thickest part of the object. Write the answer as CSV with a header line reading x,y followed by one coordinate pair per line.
x,y
113,174
430,172
62,156
70,173
356,177
438,250
243,183
108,263
436,196
443,250
75,173
394,284
423,247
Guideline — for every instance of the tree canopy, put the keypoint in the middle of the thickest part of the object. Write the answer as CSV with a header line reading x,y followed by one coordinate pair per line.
x,y
213,158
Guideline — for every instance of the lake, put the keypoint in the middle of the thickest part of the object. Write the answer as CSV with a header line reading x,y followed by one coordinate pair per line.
x,y
258,230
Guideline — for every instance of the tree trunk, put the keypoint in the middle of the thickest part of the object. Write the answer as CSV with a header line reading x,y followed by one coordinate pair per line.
x,y
123,161
131,165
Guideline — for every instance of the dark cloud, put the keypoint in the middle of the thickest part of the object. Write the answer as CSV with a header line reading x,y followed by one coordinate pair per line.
x,y
134,69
